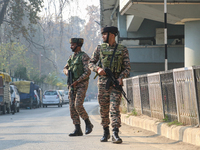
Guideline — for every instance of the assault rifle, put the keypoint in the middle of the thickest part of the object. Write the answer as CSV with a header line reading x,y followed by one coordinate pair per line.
x,y
100,65
70,81
115,83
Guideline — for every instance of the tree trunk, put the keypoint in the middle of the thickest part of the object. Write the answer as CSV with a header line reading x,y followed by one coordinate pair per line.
x,y
3,11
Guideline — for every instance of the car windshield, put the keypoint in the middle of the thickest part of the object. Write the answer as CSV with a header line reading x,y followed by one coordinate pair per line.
x,y
61,93
16,90
50,93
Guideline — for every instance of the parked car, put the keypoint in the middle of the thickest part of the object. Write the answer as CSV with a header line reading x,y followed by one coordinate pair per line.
x,y
5,97
65,96
15,99
52,97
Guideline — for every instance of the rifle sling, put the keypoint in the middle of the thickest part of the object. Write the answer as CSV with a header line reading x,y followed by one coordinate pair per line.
x,y
108,83
113,55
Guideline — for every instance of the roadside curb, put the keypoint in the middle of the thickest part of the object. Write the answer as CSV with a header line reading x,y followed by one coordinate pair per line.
x,y
185,134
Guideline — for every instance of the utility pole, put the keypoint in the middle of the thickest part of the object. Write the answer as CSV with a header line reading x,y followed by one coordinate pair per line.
x,y
40,65
165,34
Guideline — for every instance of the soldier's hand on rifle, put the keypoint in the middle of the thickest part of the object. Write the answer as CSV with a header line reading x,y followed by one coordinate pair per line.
x,y
120,81
101,72
65,72
74,84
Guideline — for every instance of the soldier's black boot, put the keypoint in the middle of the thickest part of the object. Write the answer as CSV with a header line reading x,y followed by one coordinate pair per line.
x,y
115,137
77,131
89,126
106,134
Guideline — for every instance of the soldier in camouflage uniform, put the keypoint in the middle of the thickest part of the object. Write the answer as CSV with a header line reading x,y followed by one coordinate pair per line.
x,y
78,64
110,99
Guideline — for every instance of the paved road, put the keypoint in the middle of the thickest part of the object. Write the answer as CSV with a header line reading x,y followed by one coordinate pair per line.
x,y
48,129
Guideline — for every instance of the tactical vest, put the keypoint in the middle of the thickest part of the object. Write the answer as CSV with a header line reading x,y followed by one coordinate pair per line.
x,y
106,56
76,65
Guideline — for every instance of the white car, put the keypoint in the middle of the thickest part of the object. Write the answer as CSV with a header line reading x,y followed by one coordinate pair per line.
x,y
65,96
15,98
52,97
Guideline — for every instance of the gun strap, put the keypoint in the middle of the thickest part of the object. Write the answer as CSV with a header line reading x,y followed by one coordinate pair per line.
x,y
113,55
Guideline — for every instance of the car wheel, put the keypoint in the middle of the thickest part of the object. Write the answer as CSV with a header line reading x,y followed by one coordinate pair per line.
x,y
43,106
8,110
59,105
4,109
31,105
17,109
46,106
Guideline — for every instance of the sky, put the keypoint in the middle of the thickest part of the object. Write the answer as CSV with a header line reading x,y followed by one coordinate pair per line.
x,y
75,8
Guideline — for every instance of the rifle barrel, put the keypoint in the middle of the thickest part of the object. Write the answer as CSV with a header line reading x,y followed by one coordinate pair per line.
x,y
116,83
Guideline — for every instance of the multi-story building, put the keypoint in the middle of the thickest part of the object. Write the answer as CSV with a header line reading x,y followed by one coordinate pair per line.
x,y
141,29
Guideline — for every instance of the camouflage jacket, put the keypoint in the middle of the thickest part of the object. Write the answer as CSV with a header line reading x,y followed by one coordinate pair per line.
x,y
96,57
87,71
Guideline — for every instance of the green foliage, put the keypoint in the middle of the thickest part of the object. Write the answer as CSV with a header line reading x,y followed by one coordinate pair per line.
x,y
133,113
13,59
166,119
35,76
54,80
12,55
21,73
20,15
124,110
175,123
61,85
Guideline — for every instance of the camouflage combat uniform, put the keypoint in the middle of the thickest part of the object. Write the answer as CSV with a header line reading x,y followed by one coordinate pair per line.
x,y
76,104
112,96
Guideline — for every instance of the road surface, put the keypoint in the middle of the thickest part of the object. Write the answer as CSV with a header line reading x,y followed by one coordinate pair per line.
x,y
48,129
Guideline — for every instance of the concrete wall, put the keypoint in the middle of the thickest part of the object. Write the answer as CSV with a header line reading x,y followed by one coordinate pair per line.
x,y
192,43
155,54
148,59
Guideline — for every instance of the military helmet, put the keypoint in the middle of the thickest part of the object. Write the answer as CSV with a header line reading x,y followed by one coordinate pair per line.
x,y
79,41
110,29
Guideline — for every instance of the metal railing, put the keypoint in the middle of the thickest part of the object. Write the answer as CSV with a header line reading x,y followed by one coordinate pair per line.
x,y
174,94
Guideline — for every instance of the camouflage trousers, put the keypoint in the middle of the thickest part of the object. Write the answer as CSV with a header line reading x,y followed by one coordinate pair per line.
x,y
109,101
76,104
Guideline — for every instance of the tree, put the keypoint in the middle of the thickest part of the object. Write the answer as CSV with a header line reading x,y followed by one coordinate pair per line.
x,y
12,55
14,60
20,15
53,79
92,38
60,51
21,73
